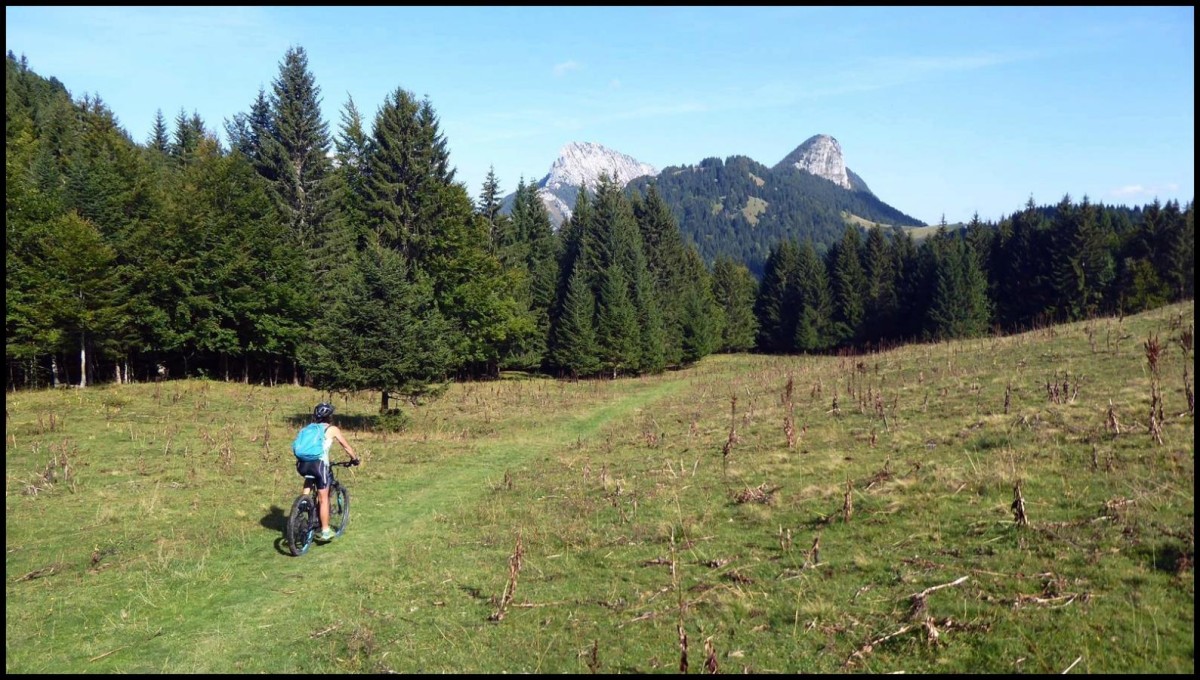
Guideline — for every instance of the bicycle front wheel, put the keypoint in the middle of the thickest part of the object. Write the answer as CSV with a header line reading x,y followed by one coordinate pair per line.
x,y
300,526
339,508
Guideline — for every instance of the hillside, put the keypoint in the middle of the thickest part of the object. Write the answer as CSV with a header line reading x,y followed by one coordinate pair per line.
x,y
741,208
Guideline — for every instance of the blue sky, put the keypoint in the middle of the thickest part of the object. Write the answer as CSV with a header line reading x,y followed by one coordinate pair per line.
x,y
942,111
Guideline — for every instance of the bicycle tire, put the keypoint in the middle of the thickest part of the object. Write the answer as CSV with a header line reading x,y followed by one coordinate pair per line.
x,y
300,526
339,508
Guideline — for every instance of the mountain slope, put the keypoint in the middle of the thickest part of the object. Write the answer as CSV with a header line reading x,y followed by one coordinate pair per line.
x,y
741,208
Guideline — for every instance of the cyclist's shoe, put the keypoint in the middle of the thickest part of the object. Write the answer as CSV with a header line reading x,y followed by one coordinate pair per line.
x,y
326,535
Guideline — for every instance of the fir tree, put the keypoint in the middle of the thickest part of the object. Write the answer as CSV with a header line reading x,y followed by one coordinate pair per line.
x,y
735,290
776,308
575,348
814,302
383,332
849,282
160,140
300,164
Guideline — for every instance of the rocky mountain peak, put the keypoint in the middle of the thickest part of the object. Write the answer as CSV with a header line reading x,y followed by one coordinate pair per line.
x,y
580,164
820,155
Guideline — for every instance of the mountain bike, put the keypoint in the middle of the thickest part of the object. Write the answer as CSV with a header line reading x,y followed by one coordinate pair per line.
x,y
305,519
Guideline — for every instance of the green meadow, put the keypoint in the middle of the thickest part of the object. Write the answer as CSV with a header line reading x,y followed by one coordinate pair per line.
x,y
1016,504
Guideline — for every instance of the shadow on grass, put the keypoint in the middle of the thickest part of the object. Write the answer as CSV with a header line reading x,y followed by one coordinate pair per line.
x,y
276,521
1169,557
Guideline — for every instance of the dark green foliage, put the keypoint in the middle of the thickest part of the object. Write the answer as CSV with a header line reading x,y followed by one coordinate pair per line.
x,y
814,303
189,130
714,202
295,147
959,308
575,349
159,139
525,242
489,206
701,319
665,258
849,284
734,290
618,336
383,331
1083,265
777,299
881,304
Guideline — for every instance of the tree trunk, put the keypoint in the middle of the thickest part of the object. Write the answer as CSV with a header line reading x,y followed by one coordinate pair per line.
x,y
383,405
295,373
53,371
246,369
82,361
117,368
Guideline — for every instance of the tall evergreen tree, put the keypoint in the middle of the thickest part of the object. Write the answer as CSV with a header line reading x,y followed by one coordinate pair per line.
x,y
735,290
160,139
301,161
960,304
775,308
814,302
383,332
700,326
849,282
881,302
666,259
1082,264
575,348
489,206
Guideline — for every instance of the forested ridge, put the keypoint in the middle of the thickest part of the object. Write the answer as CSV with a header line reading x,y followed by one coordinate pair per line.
x,y
351,258
740,208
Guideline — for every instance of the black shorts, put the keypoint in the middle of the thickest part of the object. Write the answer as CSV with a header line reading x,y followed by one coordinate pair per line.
x,y
317,469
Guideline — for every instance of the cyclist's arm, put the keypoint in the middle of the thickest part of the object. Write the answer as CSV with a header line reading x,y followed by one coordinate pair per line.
x,y
336,432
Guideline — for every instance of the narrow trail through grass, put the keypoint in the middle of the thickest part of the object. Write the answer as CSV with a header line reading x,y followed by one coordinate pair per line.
x,y
244,597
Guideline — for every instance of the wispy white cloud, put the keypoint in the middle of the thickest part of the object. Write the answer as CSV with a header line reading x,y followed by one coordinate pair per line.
x,y
566,67
1133,190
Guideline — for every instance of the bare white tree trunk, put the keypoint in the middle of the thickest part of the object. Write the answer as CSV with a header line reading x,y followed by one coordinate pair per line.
x,y
54,370
82,362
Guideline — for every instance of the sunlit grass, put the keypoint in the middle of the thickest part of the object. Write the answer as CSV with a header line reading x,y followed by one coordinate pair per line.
x,y
143,521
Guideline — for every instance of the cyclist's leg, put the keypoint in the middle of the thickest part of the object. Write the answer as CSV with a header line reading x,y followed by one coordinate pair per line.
x,y
323,482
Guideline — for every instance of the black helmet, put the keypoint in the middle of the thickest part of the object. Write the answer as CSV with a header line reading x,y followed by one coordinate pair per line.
x,y
323,411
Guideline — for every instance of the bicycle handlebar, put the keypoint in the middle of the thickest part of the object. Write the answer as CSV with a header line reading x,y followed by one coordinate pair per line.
x,y
346,463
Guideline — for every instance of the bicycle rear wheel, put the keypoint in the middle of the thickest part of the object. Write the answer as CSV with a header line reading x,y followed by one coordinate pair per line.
x,y
339,508
300,526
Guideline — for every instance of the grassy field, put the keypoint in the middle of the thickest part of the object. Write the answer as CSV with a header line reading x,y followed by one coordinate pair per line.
x,y
534,525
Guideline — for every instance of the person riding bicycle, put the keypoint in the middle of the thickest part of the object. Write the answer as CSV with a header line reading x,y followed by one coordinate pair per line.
x,y
318,468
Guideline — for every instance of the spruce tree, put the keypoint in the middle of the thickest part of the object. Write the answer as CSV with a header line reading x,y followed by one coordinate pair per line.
x,y
666,260
776,308
575,348
849,282
735,290
299,165
814,302
881,303
383,332
160,140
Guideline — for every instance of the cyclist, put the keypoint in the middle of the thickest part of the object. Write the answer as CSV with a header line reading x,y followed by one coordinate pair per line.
x,y
319,469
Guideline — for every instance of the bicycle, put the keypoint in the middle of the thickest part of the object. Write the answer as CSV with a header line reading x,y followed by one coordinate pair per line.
x,y
305,519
